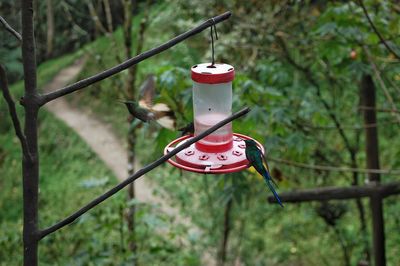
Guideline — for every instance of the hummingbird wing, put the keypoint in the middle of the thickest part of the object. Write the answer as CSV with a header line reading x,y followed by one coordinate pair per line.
x,y
255,157
269,172
265,161
267,168
259,166
147,92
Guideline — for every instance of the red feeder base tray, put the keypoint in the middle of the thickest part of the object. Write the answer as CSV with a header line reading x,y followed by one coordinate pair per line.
x,y
193,160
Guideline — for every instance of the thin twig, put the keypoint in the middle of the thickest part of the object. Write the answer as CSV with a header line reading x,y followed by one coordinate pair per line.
x,y
384,110
378,77
350,127
393,84
335,168
10,29
134,60
376,30
338,193
13,113
138,174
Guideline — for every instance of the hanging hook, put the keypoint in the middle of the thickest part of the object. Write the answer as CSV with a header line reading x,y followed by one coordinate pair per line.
x,y
212,39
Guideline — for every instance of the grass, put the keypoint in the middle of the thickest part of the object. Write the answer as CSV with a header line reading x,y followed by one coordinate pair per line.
x,y
63,180
70,176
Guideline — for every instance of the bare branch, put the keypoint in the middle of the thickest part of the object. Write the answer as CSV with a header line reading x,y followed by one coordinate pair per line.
x,y
107,10
66,7
338,193
376,30
95,17
13,113
10,29
138,174
335,168
134,60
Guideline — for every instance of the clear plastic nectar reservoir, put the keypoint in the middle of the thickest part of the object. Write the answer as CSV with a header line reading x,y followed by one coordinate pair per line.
x,y
212,102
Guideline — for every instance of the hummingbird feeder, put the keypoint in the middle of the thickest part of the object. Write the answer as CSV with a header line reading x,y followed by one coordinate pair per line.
x,y
222,151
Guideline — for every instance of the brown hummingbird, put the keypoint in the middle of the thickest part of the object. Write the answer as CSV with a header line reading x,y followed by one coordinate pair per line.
x,y
145,111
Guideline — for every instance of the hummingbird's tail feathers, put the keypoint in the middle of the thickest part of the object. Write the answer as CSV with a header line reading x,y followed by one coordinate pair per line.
x,y
268,176
147,91
271,187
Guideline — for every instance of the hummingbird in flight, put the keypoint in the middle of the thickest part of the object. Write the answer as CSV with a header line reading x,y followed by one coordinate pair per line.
x,y
257,160
145,111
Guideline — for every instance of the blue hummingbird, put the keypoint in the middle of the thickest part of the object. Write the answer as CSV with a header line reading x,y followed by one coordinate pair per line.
x,y
257,160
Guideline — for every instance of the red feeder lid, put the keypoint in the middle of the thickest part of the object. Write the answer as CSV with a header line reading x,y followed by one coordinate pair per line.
x,y
212,74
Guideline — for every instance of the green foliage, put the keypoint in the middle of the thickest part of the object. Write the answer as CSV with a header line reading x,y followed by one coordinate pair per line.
x,y
294,94
71,175
291,107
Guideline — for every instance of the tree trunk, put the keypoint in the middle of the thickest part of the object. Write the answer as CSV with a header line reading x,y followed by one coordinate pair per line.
x,y
129,91
98,26
30,171
372,155
222,253
129,81
359,202
30,167
50,28
131,193
363,222
346,255
107,9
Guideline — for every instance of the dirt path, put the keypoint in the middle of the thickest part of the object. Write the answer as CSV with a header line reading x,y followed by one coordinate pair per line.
x,y
101,139
108,147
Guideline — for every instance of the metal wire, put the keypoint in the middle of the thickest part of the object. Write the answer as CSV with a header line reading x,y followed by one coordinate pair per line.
x,y
212,40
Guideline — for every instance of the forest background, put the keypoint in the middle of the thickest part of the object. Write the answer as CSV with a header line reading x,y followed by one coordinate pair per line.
x,y
299,67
